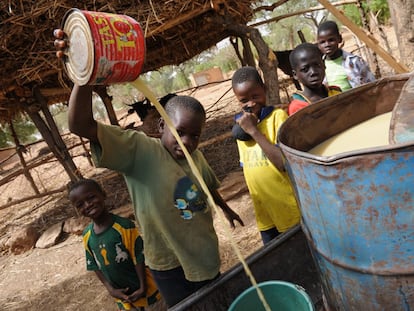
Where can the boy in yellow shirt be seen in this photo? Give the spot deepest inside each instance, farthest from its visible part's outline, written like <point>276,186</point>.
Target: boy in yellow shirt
<point>272,194</point>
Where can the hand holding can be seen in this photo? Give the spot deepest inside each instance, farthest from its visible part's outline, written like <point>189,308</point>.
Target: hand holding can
<point>59,43</point>
<point>100,48</point>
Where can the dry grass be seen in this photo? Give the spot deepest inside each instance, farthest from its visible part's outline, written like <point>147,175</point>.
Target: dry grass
<point>175,32</point>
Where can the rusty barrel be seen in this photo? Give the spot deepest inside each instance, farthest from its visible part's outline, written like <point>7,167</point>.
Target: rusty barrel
<point>103,48</point>
<point>357,207</point>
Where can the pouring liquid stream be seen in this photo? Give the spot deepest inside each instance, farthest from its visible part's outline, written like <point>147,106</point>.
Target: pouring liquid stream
<point>142,87</point>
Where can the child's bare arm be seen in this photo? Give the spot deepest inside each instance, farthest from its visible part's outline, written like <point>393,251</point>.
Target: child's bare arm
<point>81,121</point>
<point>248,122</point>
<point>142,290</point>
<point>80,115</point>
<point>272,152</point>
<point>231,215</point>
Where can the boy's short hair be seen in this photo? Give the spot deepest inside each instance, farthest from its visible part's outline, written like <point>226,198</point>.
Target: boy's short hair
<point>85,181</point>
<point>186,102</point>
<point>246,73</point>
<point>328,25</point>
<point>308,47</point>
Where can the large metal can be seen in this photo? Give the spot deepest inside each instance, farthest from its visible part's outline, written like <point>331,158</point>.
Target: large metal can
<point>103,48</point>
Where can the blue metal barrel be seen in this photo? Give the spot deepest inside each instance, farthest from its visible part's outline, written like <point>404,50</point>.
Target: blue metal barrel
<point>357,207</point>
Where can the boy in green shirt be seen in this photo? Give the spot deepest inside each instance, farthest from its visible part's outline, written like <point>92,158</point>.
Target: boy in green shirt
<point>114,250</point>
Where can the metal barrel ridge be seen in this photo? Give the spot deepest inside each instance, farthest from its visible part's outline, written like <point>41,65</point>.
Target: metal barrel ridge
<point>103,48</point>
<point>357,207</point>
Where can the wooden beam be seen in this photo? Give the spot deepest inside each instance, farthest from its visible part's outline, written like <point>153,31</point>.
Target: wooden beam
<point>36,196</point>
<point>26,171</point>
<point>101,90</point>
<point>370,42</point>
<point>270,7</point>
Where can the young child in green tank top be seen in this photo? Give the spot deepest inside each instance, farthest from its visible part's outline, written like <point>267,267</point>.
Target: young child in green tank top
<point>343,69</point>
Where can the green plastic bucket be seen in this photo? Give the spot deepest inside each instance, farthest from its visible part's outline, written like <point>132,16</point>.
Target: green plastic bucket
<point>280,296</point>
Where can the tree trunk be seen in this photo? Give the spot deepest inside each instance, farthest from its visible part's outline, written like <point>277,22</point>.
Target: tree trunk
<point>402,15</point>
<point>267,59</point>
<point>235,43</point>
<point>268,63</point>
<point>50,132</point>
<point>247,52</point>
<point>372,59</point>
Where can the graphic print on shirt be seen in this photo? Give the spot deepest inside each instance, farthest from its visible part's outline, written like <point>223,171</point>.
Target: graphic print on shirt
<point>96,260</point>
<point>187,198</point>
<point>254,157</point>
<point>103,253</point>
<point>120,254</point>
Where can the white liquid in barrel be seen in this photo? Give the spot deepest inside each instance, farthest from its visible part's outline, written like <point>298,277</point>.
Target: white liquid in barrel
<point>371,133</point>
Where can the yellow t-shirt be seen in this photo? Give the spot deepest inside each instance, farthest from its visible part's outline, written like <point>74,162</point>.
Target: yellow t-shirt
<point>271,191</point>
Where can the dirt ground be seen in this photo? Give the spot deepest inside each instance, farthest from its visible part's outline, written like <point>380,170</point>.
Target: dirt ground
<point>55,278</point>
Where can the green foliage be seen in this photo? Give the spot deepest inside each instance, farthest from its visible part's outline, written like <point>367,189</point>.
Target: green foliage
<point>25,129</point>
<point>123,94</point>
<point>169,79</point>
<point>352,12</point>
<point>282,34</point>
<point>5,137</point>
<point>379,8</point>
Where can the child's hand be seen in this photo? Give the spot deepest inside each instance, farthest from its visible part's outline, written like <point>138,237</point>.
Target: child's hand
<point>120,293</point>
<point>248,122</point>
<point>136,295</point>
<point>59,43</point>
<point>232,216</point>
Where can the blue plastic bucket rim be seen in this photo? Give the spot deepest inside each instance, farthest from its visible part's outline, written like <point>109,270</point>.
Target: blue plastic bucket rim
<point>262,284</point>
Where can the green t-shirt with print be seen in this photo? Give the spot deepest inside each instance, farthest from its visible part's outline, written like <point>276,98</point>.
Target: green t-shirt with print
<point>176,223</point>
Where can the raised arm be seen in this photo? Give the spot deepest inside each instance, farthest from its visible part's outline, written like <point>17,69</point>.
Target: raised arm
<point>81,121</point>
<point>248,122</point>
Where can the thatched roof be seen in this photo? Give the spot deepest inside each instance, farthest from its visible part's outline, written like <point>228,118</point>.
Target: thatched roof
<point>175,32</point>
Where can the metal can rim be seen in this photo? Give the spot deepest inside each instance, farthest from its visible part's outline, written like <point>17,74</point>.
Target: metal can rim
<point>80,54</point>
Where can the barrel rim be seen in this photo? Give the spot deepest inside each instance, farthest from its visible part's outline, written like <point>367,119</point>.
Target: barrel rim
<point>323,104</point>
<point>296,287</point>
<point>333,159</point>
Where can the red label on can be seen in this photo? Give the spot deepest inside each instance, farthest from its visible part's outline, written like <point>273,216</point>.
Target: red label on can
<point>119,47</point>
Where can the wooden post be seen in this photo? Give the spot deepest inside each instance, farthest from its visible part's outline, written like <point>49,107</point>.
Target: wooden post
<point>267,59</point>
<point>301,36</point>
<point>370,42</point>
<point>235,43</point>
<point>57,145</point>
<point>374,58</point>
<point>247,52</point>
<point>268,63</point>
<point>87,153</point>
<point>49,119</point>
<point>107,100</point>
<point>26,171</point>
<point>62,157</point>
